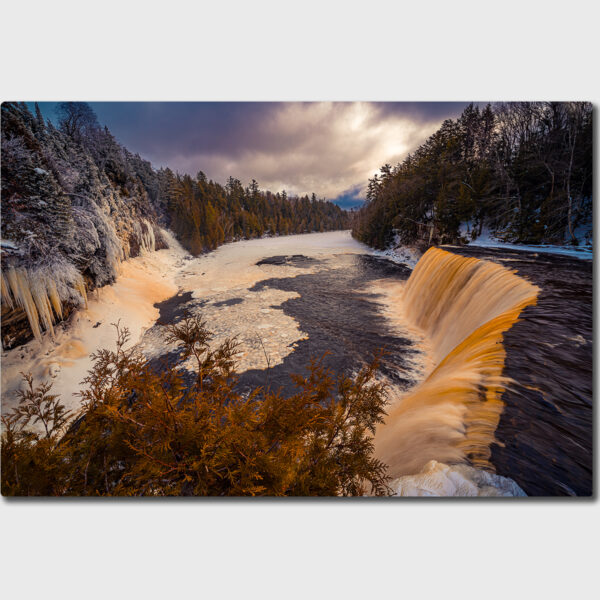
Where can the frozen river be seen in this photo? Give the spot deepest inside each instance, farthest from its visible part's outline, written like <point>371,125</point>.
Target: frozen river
<point>286,300</point>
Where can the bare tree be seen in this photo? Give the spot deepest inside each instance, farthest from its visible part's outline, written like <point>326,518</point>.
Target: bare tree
<point>77,119</point>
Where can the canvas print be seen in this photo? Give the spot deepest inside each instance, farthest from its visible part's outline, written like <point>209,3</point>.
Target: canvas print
<point>297,299</point>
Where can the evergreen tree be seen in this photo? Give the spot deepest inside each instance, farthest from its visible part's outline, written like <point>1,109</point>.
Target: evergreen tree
<point>521,169</point>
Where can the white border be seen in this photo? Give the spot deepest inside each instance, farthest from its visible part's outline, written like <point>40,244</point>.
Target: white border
<point>349,50</point>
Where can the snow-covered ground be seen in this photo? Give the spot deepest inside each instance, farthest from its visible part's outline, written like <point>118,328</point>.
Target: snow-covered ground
<point>583,234</point>
<point>156,276</point>
<point>400,254</point>
<point>403,255</point>
<point>222,280</point>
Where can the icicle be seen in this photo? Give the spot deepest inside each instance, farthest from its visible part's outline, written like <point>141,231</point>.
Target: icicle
<point>54,298</point>
<point>115,267</point>
<point>4,288</point>
<point>150,239</point>
<point>145,234</point>
<point>19,285</point>
<point>39,293</point>
<point>115,253</point>
<point>80,287</point>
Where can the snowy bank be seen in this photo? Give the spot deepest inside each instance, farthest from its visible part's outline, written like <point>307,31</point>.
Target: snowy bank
<point>65,358</point>
<point>400,254</point>
<point>585,253</point>
<point>583,234</point>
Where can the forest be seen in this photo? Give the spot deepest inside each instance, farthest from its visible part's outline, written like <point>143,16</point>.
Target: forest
<point>204,214</point>
<point>520,170</point>
<point>75,203</point>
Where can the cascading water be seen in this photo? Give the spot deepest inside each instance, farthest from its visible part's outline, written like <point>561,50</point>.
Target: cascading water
<point>463,306</point>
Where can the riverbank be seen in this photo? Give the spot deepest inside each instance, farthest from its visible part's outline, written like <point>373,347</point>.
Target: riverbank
<point>66,358</point>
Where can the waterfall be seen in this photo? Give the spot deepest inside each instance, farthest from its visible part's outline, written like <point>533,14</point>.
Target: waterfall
<point>463,306</point>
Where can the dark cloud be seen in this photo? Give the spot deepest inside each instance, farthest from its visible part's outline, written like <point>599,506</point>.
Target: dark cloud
<point>423,112</point>
<point>327,148</point>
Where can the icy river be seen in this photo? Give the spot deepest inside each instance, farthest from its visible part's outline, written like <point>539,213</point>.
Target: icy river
<point>293,298</point>
<point>285,299</point>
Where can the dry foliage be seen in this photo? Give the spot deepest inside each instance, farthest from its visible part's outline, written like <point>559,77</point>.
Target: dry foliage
<point>147,432</point>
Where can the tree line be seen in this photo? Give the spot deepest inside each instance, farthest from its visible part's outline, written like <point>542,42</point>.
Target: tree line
<point>204,214</point>
<point>48,170</point>
<point>521,170</point>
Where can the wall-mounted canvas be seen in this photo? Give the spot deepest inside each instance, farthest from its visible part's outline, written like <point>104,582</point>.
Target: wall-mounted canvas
<point>296,299</point>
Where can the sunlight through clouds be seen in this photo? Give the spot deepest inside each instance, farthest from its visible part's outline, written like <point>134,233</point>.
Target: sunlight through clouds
<point>324,148</point>
<point>329,148</point>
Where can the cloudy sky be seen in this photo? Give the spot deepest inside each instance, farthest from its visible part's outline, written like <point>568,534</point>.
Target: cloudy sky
<point>327,148</point>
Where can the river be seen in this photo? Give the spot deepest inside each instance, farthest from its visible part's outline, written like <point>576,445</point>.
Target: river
<point>290,299</point>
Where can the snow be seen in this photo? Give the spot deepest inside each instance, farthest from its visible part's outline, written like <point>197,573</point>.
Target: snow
<point>439,479</point>
<point>400,254</point>
<point>40,171</point>
<point>153,277</point>
<point>8,244</point>
<point>236,261</point>
<point>258,321</point>
<point>583,251</point>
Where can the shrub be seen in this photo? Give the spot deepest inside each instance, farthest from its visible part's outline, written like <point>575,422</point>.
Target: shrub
<point>153,432</point>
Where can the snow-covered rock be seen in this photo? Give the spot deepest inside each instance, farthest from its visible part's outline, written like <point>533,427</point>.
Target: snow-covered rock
<point>403,255</point>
